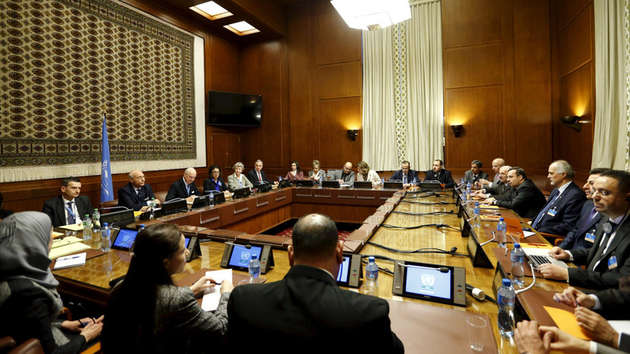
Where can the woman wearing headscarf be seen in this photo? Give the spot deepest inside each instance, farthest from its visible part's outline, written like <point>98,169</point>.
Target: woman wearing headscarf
<point>29,302</point>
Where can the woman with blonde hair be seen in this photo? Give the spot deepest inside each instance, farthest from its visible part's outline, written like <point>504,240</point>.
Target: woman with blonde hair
<point>365,174</point>
<point>316,174</point>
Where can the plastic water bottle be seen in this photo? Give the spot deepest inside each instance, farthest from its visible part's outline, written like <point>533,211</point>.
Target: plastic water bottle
<point>371,276</point>
<point>468,188</point>
<point>517,257</point>
<point>254,268</point>
<point>106,239</point>
<point>152,203</point>
<point>96,220</point>
<point>87,228</point>
<point>505,301</point>
<point>477,216</point>
<point>501,232</point>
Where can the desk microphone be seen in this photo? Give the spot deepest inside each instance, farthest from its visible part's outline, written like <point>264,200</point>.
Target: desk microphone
<point>531,267</point>
<point>487,242</point>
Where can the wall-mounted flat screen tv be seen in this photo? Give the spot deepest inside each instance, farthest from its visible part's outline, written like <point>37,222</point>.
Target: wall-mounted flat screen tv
<point>234,109</point>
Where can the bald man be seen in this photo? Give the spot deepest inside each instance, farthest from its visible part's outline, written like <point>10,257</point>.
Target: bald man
<point>185,187</point>
<point>497,163</point>
<point>135,194</point>
<point>347,175</point>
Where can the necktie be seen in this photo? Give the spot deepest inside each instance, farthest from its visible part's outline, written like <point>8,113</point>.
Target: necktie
<point>404,179</point>
<point>259,176</point>
<point>140,194</point>
<point>597,258</point>
<point>544,211</point>
<point>593,213</point>
<point>188,189</point>
<point>71,219</point>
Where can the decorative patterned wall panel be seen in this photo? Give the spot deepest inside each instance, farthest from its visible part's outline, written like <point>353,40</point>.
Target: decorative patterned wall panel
<point>64,63</point>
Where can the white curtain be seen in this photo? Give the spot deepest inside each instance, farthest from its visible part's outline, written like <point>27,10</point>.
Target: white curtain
<point>612,71</point>
<point>403,91</point>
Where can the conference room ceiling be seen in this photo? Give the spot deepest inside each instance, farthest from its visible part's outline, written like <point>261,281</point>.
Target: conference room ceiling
<point>268,16</point>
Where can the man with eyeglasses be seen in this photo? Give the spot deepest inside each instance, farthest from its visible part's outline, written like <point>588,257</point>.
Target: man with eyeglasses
<point>609,258</point>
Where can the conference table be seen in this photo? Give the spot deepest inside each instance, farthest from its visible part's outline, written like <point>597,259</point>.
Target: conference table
<point>415,321</point>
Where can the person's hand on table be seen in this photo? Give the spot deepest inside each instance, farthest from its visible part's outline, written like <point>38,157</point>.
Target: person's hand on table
<point>596,327</point>
<point>489,201</point>
<point>191,199</point>
<point>92,331</point>
<point>563,341</point>
<point>574,297</point>
<point>226,286</point>
<point>552,271</point>
<point>558,253</point>
<point>144,209</point>
<point>202,285</point>
<point>529,340</point>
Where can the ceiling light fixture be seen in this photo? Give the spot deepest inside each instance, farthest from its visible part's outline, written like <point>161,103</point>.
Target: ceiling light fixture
<point>242,28</point>
<point>211,10</point>
<point>372,14</point>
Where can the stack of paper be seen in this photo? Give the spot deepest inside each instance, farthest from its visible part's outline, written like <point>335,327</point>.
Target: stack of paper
<point>70,261</point>
<point>75,247</point>
<point>211,299</point>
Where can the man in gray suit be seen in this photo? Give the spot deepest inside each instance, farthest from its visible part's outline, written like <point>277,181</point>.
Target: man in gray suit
<point>347,175</point>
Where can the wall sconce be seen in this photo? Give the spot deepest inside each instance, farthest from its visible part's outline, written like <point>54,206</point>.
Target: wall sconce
<point>457,129</point>
<point>352,134</point>
<point>574,122</point>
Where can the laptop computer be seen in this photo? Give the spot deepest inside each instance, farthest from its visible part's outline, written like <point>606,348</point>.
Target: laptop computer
<point>363,184</point>
<point>540,256</point>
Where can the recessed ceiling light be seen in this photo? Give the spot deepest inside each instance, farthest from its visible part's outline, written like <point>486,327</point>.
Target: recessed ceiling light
<point>242,28</point>
<point>211,10</point>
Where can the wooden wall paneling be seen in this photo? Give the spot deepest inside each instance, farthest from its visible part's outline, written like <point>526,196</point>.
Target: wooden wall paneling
<point>474,66</point>
<point>337,116</point>
<point>466,22</point>
<point>262,222</point>
<point>573,80</point>
<point>334,41</point>
<point>482,109</point>
<point>532,84</point>
<point>267,142</point>
<point>339,80</point>
<point>303,134</point>
<point>574,52</point>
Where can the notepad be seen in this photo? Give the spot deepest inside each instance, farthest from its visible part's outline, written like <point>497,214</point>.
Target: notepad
<point>65,241</point>
<point>68,249</point>
<point>211,299</point>
<point>74,260</point>
<point>566,321</point>
<point>526,233</point>
<point>72,227</point>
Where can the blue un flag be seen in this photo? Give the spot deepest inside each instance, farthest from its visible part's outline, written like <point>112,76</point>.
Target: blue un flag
<point>107,188</point>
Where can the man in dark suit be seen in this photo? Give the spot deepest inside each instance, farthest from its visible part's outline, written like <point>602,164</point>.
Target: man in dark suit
<point>496,188</point>
<point>69,207</point>
<point>583,234</point>
<point>257,175</point>
<point>475,174</point>
<point>135,194</point>
<point>609,258</point>
<point>526,199</point>
<point>439,173</point>
<point>307,312</point>
<point>184,188</point>
<point>562,210</point>
<point>405,175</point>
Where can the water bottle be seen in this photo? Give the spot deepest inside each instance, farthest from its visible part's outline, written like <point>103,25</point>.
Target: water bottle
<point>517,257</point>
<point>371,276</point>
<point>505,301</point>
<point>96,220</point>
<point>254,268</point>
<point>476,217</point>
<point>152,205</point>
<point>106,239</point>
<point>501,232</point>
<point>468,188</point>
<point>87,228</point>
<point>141,227</point>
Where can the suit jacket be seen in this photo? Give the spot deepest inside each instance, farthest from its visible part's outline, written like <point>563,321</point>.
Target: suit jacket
<point>55,209</point>
<point>498,188</point>
<point>299,175</point>
<point>615,302</point>
<point>307,312</point>
<point>526,200</point>
<point>347,179</point>
<point>411,175</point>
<point>576,237</point>
<point>602,277</point>
<point>178,190</point>
<point>567,207</point>
<point>444,176</point>
<point>253,177</point>
<point>234,184</point>
<point>470,178</point>
<point>127,196</point>
<point>210,185</point>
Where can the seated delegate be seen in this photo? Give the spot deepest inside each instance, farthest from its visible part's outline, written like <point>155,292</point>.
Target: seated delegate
<point>237,180</point>
<point>185,187</point>
<point>295,173</point>
<point>365,174</point>
<point>215,183</point>
<point>70,207</point>
<point>525,199</point>
<point>439,173</point>
<point>147,313</point>
<point>317,175</point>
<point>135,194</point>
<point>29,301</point>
